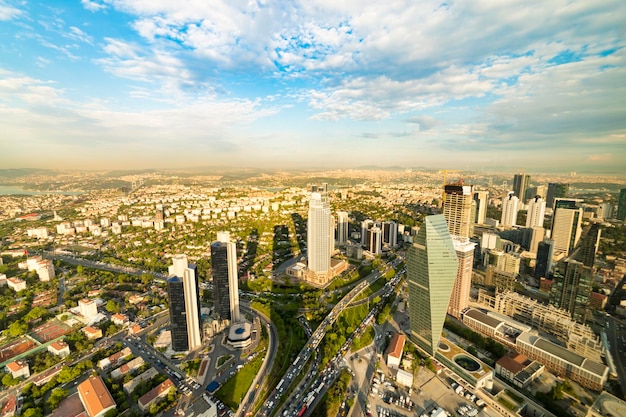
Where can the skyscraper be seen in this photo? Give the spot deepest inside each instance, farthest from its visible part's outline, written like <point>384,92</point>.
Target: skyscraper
<point>225,279</point>
<point>509,210</point>
<point>536,212</point>
<point>556,190</point>
<point>431,270</point>
<point>521,182</point>
<point>390,233</point>
<point>566,225</point>
<point>460,296</point>
<point>571,288</point>
<point>589,243</point>
<point>374,240</point>
<point>457,209</point>
<point>342,228</point>
<point>480,198</point>
<point>184,298</point>
<point>621,205</point>
<point>545,250</point>
<point>320,238</point>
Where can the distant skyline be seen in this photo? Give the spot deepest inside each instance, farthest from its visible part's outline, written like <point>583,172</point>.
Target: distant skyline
<point>473,85</point>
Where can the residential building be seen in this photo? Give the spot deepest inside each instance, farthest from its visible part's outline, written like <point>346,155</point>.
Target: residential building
<point>115,358</point>
<point>457,209</point>
<point>566,225</point>
<point>342,228</point>
<point>130,386</point>
<point>155,395</point>
<point>390,234</point>
<point>119,319</point>
<point>536,212</point>
<point>225,279</point>
<point>509,210</point>
<point>92,333</point>
<point>127,367</point>
<point>518,369</point>
<point>571,288</point>
<point>95,396</point>
<point>16,284</point>
<point>61,349</point>
<point>521,182</point>
<point>481,201</point>
<point>18,369</point>
<point>431,270</point>
<point>184,298</point>
<point>607,211</point>
<point>374,241</point>
<point>88,308</point>
<point>459,299</point>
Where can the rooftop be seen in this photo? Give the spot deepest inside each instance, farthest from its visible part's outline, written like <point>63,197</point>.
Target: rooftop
<point>95,396</point>
<point>396,345</point>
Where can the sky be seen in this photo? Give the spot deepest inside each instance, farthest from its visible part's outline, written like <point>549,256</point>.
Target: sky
<point>479,85</point>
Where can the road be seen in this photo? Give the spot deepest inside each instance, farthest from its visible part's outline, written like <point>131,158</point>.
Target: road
<point>616,335</point>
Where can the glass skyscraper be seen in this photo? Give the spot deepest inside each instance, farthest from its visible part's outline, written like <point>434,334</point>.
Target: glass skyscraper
<point>431,270</point>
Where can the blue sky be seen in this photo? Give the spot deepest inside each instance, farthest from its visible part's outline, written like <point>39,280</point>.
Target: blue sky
<point>483,85</point>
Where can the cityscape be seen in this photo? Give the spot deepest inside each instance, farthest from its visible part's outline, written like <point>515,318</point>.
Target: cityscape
<point>214,208</point>
<point>345,293</point>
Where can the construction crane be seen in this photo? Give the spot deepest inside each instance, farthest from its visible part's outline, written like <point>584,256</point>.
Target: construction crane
<point>443,192</point>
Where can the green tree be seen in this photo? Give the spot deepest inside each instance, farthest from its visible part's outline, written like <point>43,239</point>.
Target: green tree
<point>33,412</point>
<point>9,381</point>
<point>57,395</point>
<point>17,328</point>
<point>112,306</point>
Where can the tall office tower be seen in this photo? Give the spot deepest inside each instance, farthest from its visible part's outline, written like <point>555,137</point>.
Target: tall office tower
<point>556,190</point>
<point>545,250</point>
<point>320,238</point>
<point>225,279</point>
<point>184,297</point>
<point>457,209</point>
<point>342,228</point>
<point>621,205</point>
<point>481,199</point>
<point>390,233</point>
<point>431,270</point>
<point>537,236</point>
<point>521,182</point>
<point>589,243</point>
<point>374,240</point>
<point>509,209</point>
<point>571,288</point>
<point>566,225</point>
<point>539,190</point>
<point>608,211</point>
<point>365,226</point>
<point>536,212</point>
<point>459,299</point>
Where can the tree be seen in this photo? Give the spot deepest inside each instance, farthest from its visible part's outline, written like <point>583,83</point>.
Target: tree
<point>17,328</point>
<point>112,306</point>
<point>9,381</point>
<point>33,412</point>
<point>56,396</point>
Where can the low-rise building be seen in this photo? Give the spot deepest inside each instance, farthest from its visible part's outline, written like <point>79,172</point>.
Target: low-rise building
<point>518,369</point>
<point>563,362</point>
<point>130,386</point>
<point>394,351</point>
<point>115,358</point>
<point>119,319</point>
<point>61,349</point>
<point>88,308</point>
<point>18,369</point>
<point>16,284</point>
<point>128,367</point>
<point>155,395</point>
<point>92,333</point>
<point>95,396</point>
<point>404,378</point>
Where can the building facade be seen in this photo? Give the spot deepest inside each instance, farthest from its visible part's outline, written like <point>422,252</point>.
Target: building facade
<point>184,296</point>
<point>459,299</point>
<point>510,207</point>
<point>342,228</point>
<point>536,212</point>
<point>521,182</point>
<point>566,225</point>
<point>431,270</point>
<point>320,238</point>
<point>457,209</point>
<point>571,288</point>
<point>225,279</point>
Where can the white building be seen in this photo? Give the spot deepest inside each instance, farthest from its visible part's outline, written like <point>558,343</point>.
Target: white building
<point>16,284</point>
<point>61,349</point>
<point>509,210</point>
<point>320,238</point>
<point>88,308</point>
<point>187,273</point>
<point>566,225</point>
<point>536,212</point>
<point>39,233</point>
<point>18,368</point>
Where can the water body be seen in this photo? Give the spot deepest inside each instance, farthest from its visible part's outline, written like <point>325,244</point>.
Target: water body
<point>17,190</point>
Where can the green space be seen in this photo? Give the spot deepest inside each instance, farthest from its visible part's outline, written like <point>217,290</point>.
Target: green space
<point>233,391</point>
<point>223,359</point>
<point>366,338</point>
<point>347,322</point>
<point>497,350</point>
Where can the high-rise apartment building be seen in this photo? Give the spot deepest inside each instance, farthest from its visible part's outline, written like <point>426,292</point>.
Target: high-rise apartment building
<point>536,212</point>
<point>225,279</point>
<point>571,288</point>
<point>545,251</point>
<point>566,225</point>
<point>342,228</point>
<point>320,238</point>
<point>459,299</point>
<point>621,205</point>
<point>556,190</point>
<point>510,206</point>
<point>521,182</point>
<point>457,209</point>
<point>481,198</point>
<point>184,298</point>
<point>390,233</point>
<point>589,243</point>
<point>365,226</point>
<point>374,242</point>
<point>431,270</point>
<point>608,211</point>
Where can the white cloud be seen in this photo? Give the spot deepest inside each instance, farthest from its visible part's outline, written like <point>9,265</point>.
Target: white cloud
<point>93,6</point>
<point>9,12</point>
<point>77,34</point>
